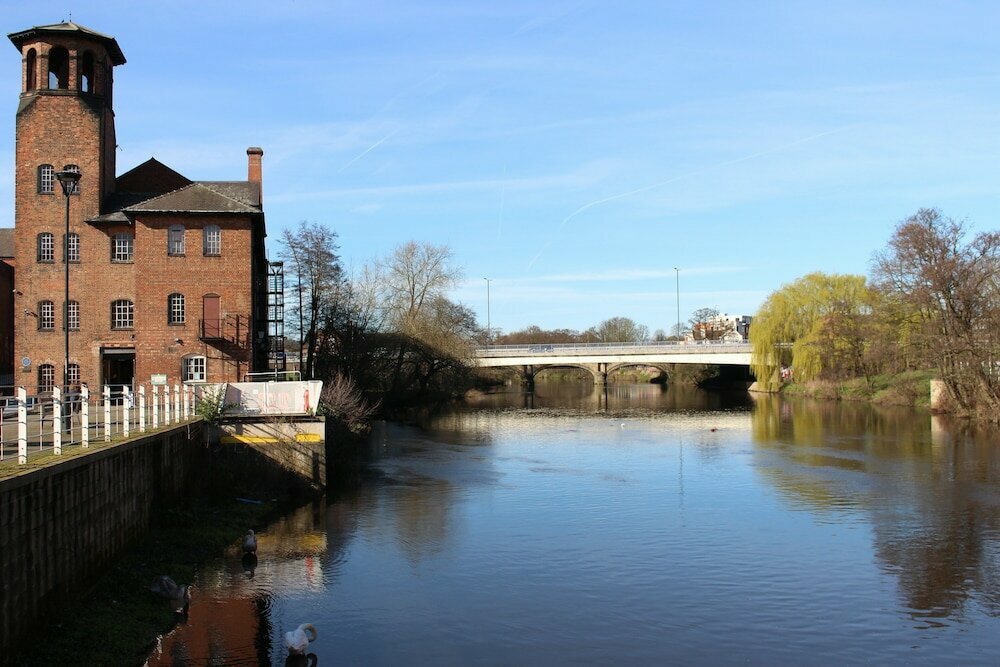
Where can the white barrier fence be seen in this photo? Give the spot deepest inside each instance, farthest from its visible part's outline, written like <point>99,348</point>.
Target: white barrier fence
<point>56,419</point>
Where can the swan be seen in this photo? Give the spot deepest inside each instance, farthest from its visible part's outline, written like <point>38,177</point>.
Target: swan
<point>179,596</point>
<point>297,640</point>
<point>250,543</point>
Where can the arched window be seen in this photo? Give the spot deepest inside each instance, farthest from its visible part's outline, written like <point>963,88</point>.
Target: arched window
<point>46,377</point>
<point>46,247</point>
<point>121,248</point>
<point>194,369</point>
<point>212,241</point>
<point>175,309</point>
<point>59,69</point>
<point>46,316</point>
<point>46,179</point>
<point>73,376</point>
<point>76,186</point>
<point>86,66</point>
<point>175,240</point>
<point>31,74</point>
<point>122,314</point>
<point>73,247</point>
<point>73,315</point>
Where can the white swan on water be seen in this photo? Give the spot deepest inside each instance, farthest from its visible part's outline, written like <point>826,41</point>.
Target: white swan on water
<point>297,640</point>
<point>250,543</point>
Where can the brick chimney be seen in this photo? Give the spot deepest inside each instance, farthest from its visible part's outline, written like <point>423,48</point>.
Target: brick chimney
<point>254,156</point>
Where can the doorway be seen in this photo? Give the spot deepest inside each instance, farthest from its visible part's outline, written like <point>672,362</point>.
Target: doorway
<point>211,312</point>
<point>118,368</point>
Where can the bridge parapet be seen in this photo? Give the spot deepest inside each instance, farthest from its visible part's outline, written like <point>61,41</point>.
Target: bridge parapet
<point>633,348</point>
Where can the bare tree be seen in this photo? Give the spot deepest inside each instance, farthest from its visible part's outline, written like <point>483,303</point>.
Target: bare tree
<point>952,285</point>
<point>707,325</point>
<point>310,255</point>
<point>620,330</point>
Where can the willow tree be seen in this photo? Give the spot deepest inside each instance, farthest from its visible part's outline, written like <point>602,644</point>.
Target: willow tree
<point>816,324</point>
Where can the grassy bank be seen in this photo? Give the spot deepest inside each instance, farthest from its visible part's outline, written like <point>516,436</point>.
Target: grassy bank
<point>907,389</point>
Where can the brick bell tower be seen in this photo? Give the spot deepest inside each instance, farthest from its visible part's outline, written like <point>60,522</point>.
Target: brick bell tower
<point>65,121</point>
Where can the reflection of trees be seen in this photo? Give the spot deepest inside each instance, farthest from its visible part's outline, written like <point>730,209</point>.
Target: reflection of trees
<point>930,519</point>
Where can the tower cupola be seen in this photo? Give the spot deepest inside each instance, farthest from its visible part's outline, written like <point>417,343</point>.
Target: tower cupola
<point>67,58</point>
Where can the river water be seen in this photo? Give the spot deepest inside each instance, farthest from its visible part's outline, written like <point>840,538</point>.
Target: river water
<point>630,527</point>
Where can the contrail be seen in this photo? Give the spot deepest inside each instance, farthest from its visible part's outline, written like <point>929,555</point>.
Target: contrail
<point>673,179</point>
<point>368,150</point>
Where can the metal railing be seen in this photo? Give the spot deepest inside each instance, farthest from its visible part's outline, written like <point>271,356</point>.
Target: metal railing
<point>55,419</point>
<point>637,347</point>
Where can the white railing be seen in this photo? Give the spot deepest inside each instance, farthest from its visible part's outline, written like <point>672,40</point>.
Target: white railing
<point>52,420</point>
<point>637,347</point>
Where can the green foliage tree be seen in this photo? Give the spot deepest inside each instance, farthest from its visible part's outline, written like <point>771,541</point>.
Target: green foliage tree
<point>819,322</point>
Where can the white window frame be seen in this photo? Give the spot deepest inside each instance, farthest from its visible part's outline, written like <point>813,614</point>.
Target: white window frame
<point>195,369</point>
<point>73,315</point>
<point>175,240</point>
<point>46,377</point>
<point>73,247</point>
<point>212,241</point>
<point>46,179</point>
<point>73,374</point>
<point>122,314</point>
<point>46,316</point>
<point>46,247</point>
<point>122,248</point>
<point>175,308</point>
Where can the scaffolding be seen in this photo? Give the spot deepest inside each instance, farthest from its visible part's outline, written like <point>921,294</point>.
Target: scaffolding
<point>276,316</point>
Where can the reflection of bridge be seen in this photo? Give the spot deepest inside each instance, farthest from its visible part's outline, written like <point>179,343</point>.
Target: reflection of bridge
<point>599,359</point>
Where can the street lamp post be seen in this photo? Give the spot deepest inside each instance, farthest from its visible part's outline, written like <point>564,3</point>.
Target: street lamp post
<point>68,180</point>
<point>489,328</point>
<point>678,274</point>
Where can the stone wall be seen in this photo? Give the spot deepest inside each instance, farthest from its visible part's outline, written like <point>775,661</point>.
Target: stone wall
<point>296,444</point>
<point>61,525</point>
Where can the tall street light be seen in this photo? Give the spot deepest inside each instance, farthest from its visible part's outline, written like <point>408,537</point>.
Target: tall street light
<point>678,274</point>
<point>489,328</point>
<point>69,181</point>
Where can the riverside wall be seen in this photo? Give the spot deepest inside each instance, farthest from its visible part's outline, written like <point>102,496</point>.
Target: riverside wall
<point>62,524</point>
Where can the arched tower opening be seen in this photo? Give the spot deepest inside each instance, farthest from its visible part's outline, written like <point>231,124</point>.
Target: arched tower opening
<point>30,70</point>
<point>86,72</point>
<point>58,68</point>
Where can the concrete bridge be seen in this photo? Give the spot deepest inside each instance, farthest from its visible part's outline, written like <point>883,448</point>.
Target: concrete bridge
<point>599,359</point>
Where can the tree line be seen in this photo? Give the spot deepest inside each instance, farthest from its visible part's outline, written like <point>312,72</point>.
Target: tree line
<point>385,335</point>
<point>704,324</point>
<point>932,301</point>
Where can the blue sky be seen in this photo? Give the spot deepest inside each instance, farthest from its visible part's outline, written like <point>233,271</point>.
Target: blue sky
<point>572,152</point>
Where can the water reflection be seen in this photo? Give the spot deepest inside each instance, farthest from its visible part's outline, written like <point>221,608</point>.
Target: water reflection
<point>928,490</point>
<point>635,525</point>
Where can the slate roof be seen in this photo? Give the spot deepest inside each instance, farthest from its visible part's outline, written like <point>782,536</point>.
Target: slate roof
<point>152,177</point>
<point>67,28</point>
<point>204,197</point>
<point>7,242</point>
<point>153,187</point>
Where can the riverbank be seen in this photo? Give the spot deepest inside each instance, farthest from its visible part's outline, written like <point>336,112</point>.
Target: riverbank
<point>910,389</point>
<point>117,620</point>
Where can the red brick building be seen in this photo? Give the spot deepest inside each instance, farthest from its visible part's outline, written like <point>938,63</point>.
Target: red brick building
<point>6,310</point>
<point>167,275</point>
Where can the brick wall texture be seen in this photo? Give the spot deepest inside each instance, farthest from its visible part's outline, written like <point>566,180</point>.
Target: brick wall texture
<point>72,127</point>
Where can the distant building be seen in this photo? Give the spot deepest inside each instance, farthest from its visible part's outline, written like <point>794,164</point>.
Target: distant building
<point>167,275</point>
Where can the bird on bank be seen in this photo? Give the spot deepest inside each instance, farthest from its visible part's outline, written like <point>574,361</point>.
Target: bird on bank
<point>250,543</point>
<point>179,596</point>
<point>297,640</point>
